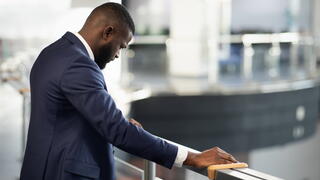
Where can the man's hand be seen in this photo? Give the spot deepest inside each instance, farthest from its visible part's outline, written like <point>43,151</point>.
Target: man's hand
<point>209,157</point>
<point>134,122</point>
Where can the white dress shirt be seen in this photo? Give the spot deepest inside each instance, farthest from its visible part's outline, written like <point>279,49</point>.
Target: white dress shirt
<point>182,153</point>
<point>84,42</point>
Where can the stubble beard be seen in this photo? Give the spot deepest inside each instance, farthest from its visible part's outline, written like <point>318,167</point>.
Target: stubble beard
<point>104,56</point>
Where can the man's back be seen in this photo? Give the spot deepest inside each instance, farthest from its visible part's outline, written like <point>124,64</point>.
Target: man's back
<point>73,120</point>
<point>59,136</point>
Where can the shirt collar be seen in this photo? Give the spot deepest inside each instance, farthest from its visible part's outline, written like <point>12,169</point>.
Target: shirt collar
<point>86,45</point>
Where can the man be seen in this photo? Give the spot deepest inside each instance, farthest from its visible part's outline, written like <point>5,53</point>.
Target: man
<point>74,120</point>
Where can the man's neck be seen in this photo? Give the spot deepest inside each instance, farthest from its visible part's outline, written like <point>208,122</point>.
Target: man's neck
<point>90,49</point>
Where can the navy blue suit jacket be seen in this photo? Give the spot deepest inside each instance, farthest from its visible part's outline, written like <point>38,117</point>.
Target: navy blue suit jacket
<point>74,120</point>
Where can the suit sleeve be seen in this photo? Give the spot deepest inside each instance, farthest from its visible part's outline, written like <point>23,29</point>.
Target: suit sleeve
<point>83,85</point>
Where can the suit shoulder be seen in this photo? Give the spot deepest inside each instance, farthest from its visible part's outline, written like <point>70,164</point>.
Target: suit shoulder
<point>82,70</point>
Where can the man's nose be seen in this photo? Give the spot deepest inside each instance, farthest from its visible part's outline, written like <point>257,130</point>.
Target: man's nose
<point>117,54</point>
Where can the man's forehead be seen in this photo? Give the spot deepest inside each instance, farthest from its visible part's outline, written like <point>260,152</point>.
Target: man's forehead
<point>128,36</point>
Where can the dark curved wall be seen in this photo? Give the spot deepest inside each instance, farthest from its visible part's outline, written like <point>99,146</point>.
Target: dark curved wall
<point>237,123</point>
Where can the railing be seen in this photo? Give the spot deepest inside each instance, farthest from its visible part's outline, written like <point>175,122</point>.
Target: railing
<point>149,172</point>
<point>275,39</point>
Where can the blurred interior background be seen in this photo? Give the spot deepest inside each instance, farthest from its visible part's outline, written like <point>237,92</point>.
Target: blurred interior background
<point>239,74</point>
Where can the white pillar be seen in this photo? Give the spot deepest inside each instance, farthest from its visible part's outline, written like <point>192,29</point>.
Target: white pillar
<point>189,37</point>
<point>214,23</point>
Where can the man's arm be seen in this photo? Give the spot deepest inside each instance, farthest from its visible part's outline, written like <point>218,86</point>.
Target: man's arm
<point>83,85</point>
<point>200,160</point>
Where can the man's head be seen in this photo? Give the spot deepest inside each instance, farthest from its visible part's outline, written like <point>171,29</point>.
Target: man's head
<point>108,29</point>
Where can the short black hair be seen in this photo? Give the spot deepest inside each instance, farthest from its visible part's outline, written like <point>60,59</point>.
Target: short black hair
<point>119,11</point>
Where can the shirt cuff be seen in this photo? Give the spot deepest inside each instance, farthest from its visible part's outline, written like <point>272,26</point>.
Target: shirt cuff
<point>181,157</point>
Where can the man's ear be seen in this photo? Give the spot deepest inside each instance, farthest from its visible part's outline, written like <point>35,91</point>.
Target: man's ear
<point>108,31</point>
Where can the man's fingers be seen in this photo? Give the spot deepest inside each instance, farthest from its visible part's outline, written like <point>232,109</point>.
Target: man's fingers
<point>226,161</point>
<point>134,122</point>
<point>227,156</point>
<point>231,158</point>
<point>212,156</point>
<point>223,161</point>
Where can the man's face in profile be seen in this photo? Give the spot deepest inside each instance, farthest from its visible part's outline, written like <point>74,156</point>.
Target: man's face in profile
<point>111,48</point>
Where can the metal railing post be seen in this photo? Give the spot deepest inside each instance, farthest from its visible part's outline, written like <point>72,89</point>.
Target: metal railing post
<point>247,61</point>
<point>149,170</point>
<point>25,92</point>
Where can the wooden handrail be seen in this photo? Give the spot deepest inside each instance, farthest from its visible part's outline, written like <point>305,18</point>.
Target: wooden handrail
<point>231,171</point>
<point>212,169</point>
